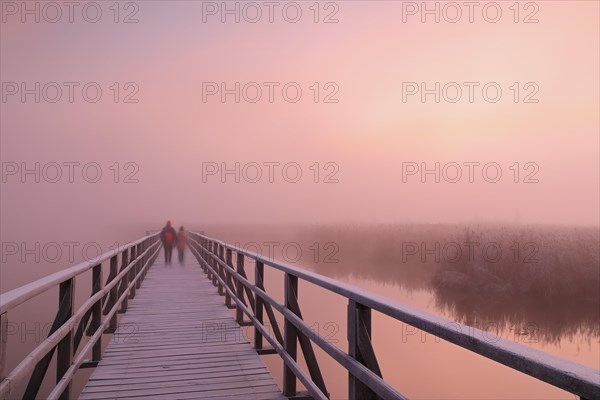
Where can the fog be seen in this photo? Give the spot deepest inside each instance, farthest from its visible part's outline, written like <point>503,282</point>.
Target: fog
<point>355,126</point>
<point>171,146</point>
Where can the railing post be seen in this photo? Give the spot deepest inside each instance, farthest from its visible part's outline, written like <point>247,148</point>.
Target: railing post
<point>3,342</point>
<point>203,254</point>
<point>228,261</point>
<point>259,276</point>
<point>360,348</point>
<point>214,265</point>
<point>207,250</point>
<point>143,262</point>
<point>64,356</point>
<point>96,312</point>
<point>139,265</point>
<point>207,258</point>
<point>222,290</point>
<point>131,274</point>
<point>123,283</point>
<point>290,336</point>
<point>112,296</point>
<point>146,260</point>
<point>239,313</point>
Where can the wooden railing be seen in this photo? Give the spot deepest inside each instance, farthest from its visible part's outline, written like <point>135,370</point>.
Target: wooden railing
<point>96,316</point>
<point>365,379</point>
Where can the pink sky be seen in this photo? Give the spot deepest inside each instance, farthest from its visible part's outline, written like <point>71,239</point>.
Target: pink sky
<point>368,134</point>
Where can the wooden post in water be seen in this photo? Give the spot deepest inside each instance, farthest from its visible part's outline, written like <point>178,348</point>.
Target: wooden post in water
<point>64,356</point>
<point>290,336</point>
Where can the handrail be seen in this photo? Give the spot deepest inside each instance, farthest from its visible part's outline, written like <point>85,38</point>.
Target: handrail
<point>215,257</point>
<point>13,298</point>
<point>567,375</point>
<point>383,389</point>
<point>69,325</point>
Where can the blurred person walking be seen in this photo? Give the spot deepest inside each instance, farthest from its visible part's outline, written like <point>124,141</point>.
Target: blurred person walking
<point>168,236</point>
<point>182,243</point>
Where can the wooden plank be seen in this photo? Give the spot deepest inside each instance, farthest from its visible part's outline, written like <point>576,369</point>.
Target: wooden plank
<point>177,389</point>
<point>174,365</point>
<point>214,371</point>
<point>262,394</point>
<point>194,347</point>
<point>239,393</point>
<point>179,340</point>
<point>171,381</point>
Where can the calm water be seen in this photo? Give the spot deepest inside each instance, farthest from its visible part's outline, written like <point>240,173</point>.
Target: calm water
<point>416,364</point>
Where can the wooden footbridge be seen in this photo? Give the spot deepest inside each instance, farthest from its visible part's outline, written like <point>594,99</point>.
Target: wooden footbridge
<point>188,345</point>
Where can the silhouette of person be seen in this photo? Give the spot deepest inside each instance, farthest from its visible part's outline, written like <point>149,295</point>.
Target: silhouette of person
<point>182,242</point>
<point>168,236</point>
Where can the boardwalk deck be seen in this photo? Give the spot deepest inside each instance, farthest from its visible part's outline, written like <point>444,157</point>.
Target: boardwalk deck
<point>179,341</point>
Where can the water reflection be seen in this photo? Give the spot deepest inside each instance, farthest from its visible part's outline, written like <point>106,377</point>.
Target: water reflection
<point>525,322</point>
<point>552,298</point>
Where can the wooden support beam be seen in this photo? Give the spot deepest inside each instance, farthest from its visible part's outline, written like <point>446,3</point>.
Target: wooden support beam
<point>96,312</point>
<point>301,396</point>
<point>132,271</point>
<point>40,369</point>
<point>221,251</point>
<point>259,276</point>
<point>113,296</point>
<point>214,265</point>
<point>64,356</point>
<point>239,313</point>
<point>123,283</point>
<point>3,342</point>
<point>366,347</point>
<point>249,293</point>
<point>81,328</point>
<point>360,348</point>
<point>265,351</point>
<point>290,335</point>
<point>229,261</point>
<point>89,364</point>
<point>138,266</point>
<point>274,324</point>
<point>307,350</point>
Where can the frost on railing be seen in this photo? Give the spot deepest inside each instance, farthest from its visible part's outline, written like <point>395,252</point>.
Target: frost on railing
<point>365,377</point>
